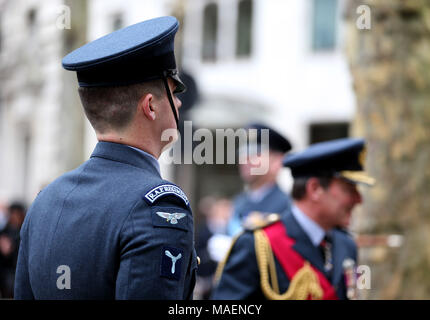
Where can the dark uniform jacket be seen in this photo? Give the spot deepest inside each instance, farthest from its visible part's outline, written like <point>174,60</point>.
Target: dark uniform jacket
<point>241,277</point>
<point>112,228</point>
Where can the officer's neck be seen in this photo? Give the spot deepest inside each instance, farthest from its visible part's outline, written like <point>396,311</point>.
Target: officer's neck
<point>313,212</point>
<point>260,182</point>
<point>143,143</point>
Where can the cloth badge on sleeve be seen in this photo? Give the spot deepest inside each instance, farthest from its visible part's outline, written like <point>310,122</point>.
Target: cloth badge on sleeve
<point>169,217</point>
<point>171,262</point>
<point>164,190</point>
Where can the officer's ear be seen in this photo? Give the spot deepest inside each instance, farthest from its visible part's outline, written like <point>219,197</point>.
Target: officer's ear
<point>146,105</point>
<point>314,190</point>
<point>276,160</point>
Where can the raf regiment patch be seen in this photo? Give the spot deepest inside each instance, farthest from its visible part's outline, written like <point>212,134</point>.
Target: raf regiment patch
<point>165,190</point>
<point>169,217</point>
<point>171,262</point>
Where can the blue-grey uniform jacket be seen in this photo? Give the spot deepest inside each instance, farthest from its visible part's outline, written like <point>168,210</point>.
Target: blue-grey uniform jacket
<point>275,200</point>
<point>241,277</point>
<point>110,229</point>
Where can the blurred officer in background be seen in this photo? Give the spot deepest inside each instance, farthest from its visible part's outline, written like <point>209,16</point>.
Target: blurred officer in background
<point>262,192</point>
<point>216,213</point>
<point>9,246</point>
<point>3,215</point>
<point>301,254</point>
<point>113,228</point>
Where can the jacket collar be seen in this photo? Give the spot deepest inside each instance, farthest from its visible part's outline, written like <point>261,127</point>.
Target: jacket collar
<point>125,154</point>
<point>308,251</point>
<point>339,253</point>
<point>303,244</point>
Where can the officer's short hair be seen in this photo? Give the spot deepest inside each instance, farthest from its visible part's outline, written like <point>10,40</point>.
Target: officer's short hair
<point>114,107</point>
<point>299,186</point>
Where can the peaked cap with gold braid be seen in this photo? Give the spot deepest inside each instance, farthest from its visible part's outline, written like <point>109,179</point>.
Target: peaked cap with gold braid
<point>341,157</point>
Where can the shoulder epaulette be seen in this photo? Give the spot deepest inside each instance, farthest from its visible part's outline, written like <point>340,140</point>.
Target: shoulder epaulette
<point>258,220</point>
<point>255,220</point>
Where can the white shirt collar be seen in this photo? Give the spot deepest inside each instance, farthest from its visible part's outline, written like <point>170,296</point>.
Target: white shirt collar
<point>311,228</point>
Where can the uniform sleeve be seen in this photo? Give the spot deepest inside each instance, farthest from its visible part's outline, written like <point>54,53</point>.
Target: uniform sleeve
<point>240,277</point>
<point>22,290</point>
<point>157,256</point>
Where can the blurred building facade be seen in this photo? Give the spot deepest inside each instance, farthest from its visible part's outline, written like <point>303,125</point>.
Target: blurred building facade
<point>40,126</point>
<point>275,61</point>
<point>281,62</point>
<point>43,131</point>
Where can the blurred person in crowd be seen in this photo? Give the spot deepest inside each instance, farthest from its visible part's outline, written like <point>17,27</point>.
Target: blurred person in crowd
<point>301,254</point>
<point>3,215</point>
<point>9,246</point>
<point>113,228</point>
<point>262,192</point>
<point>212,241</point>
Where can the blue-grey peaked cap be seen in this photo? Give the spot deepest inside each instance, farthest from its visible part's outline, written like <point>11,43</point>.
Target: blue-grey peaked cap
<point>341,157</point>
<point>134,54</point>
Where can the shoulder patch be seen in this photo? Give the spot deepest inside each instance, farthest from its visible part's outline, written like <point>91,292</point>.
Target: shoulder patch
<point>163,190</point>
<point>258,220</point>
<point>171,262</point>
<point>170,217</point>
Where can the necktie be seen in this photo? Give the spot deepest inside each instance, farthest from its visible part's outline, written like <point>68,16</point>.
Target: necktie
<point>325,247</point>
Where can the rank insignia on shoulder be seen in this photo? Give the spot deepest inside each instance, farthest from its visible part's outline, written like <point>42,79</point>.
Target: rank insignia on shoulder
<point>257,220</point>
<point>163,190</point>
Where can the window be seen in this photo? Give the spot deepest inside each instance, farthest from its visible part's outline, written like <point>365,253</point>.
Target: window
<point>327,131</point>
<point>244,29</point>
<point>210,27</point>
<point>324,24</point>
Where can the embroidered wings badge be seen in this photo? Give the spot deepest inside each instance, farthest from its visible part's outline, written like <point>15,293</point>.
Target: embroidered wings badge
<point>171,217</point>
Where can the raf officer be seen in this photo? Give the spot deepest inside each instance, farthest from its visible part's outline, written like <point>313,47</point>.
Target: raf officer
<point>262,192</point>
<point>113,228</point>
<point>302,254</point>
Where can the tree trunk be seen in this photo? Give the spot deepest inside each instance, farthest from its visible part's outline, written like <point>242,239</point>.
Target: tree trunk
<point>390,64</point>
